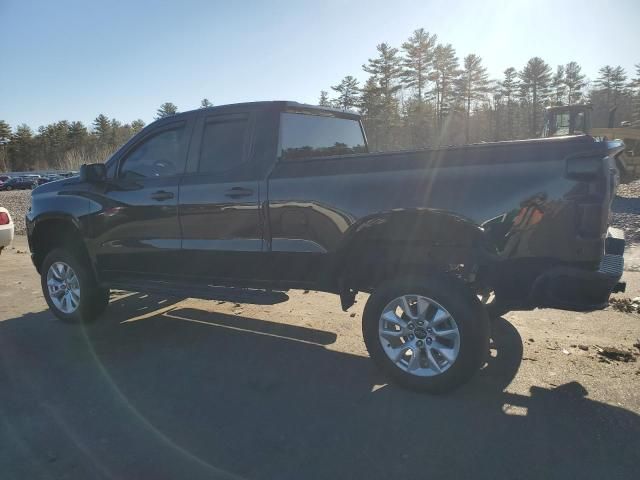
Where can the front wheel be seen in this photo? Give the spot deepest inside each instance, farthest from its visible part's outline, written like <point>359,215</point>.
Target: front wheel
<point>70,288</point>
<point>428,334</point>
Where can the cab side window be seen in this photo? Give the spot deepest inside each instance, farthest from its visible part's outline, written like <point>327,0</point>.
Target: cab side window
<point>223,143</point>
<point>306,136</point>
<point>160,155</point>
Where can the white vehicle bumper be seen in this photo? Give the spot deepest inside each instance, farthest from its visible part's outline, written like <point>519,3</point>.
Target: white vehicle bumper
<point>6,235</point>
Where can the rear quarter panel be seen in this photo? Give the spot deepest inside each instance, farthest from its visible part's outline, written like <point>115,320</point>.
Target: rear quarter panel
<point>512,197</point>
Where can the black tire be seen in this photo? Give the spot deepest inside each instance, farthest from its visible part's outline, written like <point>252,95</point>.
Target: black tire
<point>495,310</point>
<point>93,298</point>
<point>470,317</point>
<point>8,189</point>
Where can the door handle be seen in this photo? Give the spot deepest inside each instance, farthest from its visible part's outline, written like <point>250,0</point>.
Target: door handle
<point>161,195</point>
<point>238,192</point>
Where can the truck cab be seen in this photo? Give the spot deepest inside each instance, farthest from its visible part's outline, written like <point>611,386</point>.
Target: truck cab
<point>567,120</point>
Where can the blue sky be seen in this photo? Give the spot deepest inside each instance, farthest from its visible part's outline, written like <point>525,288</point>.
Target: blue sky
<point>67,59</point>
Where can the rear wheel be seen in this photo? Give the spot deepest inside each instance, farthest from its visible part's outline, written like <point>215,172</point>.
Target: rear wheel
<point>429,335</point>
<point>493,306</point>
<point>70,288</point>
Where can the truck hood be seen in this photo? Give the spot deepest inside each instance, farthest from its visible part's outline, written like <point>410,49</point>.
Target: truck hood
<point>55,185</point>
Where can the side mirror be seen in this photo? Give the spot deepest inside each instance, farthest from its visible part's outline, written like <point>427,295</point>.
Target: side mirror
<point>93,173</point>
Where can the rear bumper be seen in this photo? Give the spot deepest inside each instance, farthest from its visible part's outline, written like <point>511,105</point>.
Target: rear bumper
<point>6,235</point>
<point>571,288</point>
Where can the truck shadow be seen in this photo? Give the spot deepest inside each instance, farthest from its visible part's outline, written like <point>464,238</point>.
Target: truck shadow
<point>184,393</point>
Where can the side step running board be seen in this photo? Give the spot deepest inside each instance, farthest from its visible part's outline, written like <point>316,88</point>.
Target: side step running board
<point>205,292</point>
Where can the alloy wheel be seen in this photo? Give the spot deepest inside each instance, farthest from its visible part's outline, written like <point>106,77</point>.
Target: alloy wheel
<point>419,335</point>
<point>64,287</point>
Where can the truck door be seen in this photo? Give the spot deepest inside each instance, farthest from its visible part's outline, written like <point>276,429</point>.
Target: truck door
<point>219,200</point>
<point>137,230</point>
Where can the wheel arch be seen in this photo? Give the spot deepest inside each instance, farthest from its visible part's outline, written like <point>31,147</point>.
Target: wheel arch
<point>404,242</point>
<point>52,231</point>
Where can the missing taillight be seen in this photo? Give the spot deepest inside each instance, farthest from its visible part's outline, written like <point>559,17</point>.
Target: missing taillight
<point>582,168</point>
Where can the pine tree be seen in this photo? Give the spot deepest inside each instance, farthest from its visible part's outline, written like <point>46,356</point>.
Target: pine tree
<point>417,62</point>
<point>603,82</point>
<point>205,103</point>
<point>386,71</point>
<point>495,105</point>
<point>137,125</point>
<point>574,81</point>
<point>611,82</point>
<point>166,110</point>
<point>5,137</point>
<point>534,85</point>
<point>348,93</point>
<point>371,100</point>
<point>610,85</point>
<point>635,83</point>
<point>21,148</point>
<point>635,88</point>
<point>5,132</point>
<point>558,85</point>
<point>618,83</point>
<point>371,107</point>
<point>51,143</point>
<point>508,90</point>
<point>473,85</point>
<point>119,133</point>
<point>324,101</point>
<point>445,74</point>
<point>102,128</point>
<point>77,133</point>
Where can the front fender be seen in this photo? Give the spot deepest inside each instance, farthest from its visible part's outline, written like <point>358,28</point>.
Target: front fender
<point>54,210</point>
<point>57,205</point>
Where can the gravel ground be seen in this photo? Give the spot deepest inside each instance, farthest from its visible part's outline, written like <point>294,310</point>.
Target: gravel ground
<point>17,202</point>
<point>625,209</point>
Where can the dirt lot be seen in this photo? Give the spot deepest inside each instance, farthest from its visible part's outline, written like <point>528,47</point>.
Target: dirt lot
<point>171,388</point>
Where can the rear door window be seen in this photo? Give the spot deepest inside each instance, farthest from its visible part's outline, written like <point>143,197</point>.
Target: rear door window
<point>223,143</point>
<point>306,136</point>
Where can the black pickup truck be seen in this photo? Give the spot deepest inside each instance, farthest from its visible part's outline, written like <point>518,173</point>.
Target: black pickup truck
<point>280,195</point>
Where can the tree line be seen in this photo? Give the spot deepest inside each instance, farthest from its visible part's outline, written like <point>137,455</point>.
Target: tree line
<point>66,145</point>
<point>421,94</point>
<point>415,96</point>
